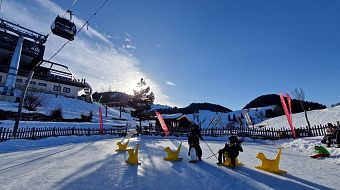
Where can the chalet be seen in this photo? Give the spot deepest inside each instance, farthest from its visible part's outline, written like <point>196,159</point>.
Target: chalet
<point>176,121</point>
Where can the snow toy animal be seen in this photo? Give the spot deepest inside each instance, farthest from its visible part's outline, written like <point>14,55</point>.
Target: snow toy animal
<point>227,161</point>
<point>122,146</point>
<point>133,156</point>
<point>173,155</point>
<point>193,156</point>
<point>320,152</point>
<point>269,165</point>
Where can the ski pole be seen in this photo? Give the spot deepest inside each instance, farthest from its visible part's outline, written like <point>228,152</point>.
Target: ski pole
<point>211,156</point>
<point>210,149</point>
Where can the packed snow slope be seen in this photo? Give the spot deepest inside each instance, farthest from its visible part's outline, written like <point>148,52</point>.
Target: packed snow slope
<point>92,163</point>
<point>316,117</point>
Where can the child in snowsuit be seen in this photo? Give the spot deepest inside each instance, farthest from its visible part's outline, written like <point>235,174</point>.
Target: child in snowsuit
<point>233,149</point>
<point>320,152</point>
<point>194,140</point>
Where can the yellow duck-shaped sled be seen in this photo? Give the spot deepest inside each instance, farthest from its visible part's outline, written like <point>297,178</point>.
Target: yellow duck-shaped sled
<point>269,165</point>
<point>133,156</point>
<point>122,146</point>
<point>173,155</point>
<point>227,161</point>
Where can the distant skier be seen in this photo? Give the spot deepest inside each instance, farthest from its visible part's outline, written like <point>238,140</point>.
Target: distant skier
<point>194,137</point>
<point>233,148</point>
<point>338,138</point>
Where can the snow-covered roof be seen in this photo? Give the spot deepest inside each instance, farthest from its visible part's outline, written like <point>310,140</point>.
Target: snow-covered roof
<point>172,116</point>
<point>176,116</point>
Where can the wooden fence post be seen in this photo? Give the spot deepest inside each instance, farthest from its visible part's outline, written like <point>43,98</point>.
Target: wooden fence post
<point>32,133</point>
<point>1,128</point>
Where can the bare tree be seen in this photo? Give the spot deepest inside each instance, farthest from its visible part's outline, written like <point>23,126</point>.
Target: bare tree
<point>239,121</point>
<point>196,118</point>
<point>34,99</point>
<point>299,94</point>
<point>260,115</point>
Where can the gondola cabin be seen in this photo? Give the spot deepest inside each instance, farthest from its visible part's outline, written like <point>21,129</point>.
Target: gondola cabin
<point>64,28</point>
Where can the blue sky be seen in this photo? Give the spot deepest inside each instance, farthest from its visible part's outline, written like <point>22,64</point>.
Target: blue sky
<point>223,52</point>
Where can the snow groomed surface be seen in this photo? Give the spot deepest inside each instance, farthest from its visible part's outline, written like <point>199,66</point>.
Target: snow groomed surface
<point>93,163</point>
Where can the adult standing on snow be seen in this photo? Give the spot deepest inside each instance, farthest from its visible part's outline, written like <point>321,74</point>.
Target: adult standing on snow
<point>330,134</point>
<point>194,137</point>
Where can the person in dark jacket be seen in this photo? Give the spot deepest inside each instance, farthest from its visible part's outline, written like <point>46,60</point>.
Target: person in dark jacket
<point>330,135</point>
<point>194,137</point>
<point>221,153</point>
<point>233,148</point>
<point>338,139</point>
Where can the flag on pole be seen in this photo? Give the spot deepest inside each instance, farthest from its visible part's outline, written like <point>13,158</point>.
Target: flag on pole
<point>161,121</point>
<point>288,113</point>
<point>289,103</point>
<point>100,120</point>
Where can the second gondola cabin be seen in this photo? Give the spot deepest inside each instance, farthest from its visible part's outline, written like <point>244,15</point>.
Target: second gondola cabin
<point>64,28</point>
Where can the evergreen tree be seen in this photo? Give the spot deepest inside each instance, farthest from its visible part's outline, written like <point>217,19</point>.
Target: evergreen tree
<point>229,119</point>
<point>234,118</point>
<point>142,101</point>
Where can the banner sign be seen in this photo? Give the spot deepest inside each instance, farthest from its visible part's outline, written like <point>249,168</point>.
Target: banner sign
<point>288,112</point>
<point>161,121</point>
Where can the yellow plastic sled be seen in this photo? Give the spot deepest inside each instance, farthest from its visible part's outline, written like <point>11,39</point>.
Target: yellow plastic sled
<point>121,146</point>
<point>133,156</point>
<point>173,155</point>
<point>227,161</point>
<point>269,165</point>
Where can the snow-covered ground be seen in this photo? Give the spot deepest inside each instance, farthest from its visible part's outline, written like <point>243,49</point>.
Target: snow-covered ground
<point>209,119</point>
<point>316,117</point>
<point>92,163</point>
<point>71,108</point>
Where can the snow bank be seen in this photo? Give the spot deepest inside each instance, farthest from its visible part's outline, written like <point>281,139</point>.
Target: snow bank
<point>306,145</point>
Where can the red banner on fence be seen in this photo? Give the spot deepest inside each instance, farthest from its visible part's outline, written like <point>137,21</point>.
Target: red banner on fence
<point>161,121</point>
<point>101,120</point>
<point>288,114</point>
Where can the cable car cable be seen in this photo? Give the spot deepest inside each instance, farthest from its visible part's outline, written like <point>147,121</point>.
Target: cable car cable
<point>68,10</point>
<point>87,21</point>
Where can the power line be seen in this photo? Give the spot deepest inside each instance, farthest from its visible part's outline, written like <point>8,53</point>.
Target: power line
<point>87,21</point>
